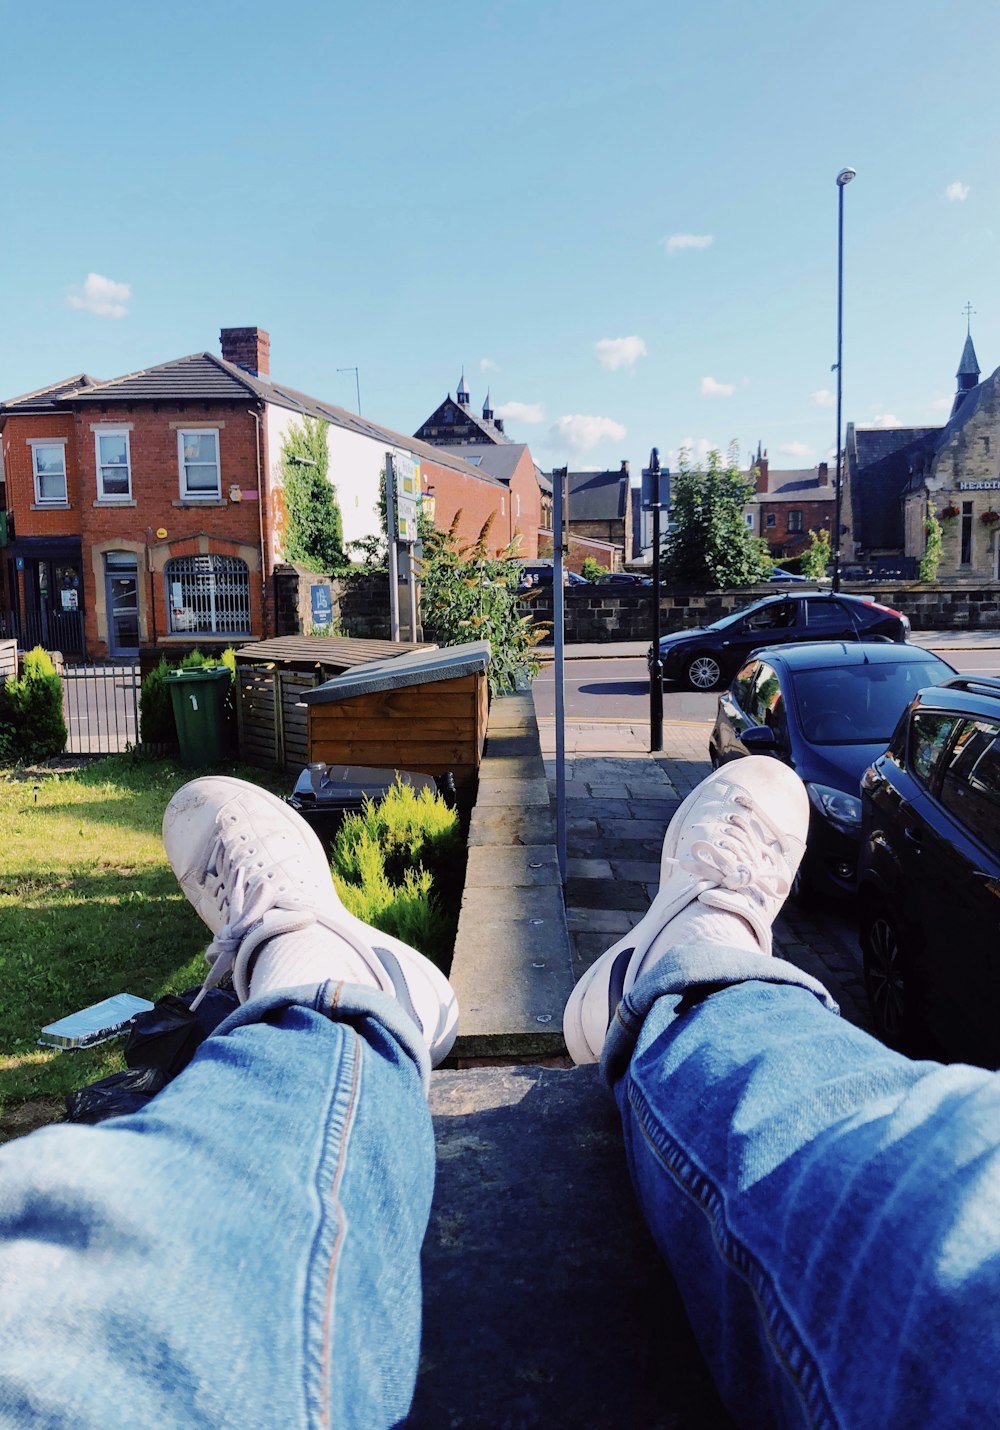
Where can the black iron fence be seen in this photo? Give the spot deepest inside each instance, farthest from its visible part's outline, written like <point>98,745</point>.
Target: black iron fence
<point>101,707</point>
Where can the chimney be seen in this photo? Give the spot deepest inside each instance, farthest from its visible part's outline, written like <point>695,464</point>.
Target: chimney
<point>624,469</point>
<point>761,468</point>
<point>498,423</point>
<point>248,348</point>
<point>824,474</point>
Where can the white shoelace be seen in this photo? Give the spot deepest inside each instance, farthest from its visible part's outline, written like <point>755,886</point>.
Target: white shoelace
<point>749,856</point>
<point>251,896</point>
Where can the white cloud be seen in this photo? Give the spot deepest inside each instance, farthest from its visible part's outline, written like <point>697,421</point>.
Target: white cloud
<point>942,404</point>
<point>885,419</point>
<point>531,412</point>
<point>711,388</point>
<point>102,296</point>
<point>581,433</point>
<point>678,242</point>
<point>613,353</point>
<point>957,193</point>
<point>823,398</point>
<point>488,365</point>
<point>794,449</point>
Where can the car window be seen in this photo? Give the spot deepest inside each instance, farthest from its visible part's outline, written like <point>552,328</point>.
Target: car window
<point>827,616</point>
<point>743,685</point>
<point>860,704</point>
<point>970,780</point>
<point>767,705</point>
<point>777,615</point>
<point>929,737</point>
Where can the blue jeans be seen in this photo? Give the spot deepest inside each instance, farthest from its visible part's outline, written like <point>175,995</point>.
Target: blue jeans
<point>829,1209</point>
<point>246,1252</point>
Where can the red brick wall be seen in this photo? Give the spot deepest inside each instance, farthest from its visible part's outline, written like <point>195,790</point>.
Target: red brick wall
<point>477,499</point>
<point>19,473</point>
<point>223,527</point>
<point>815,516</point>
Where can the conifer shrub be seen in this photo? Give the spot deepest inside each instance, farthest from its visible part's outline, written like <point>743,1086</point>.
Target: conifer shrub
<point>34,712</point>
<point>399,866</point>
<point>156,709</point>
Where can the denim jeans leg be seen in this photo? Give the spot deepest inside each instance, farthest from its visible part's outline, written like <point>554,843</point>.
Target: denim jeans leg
<point>243,1252</point>
<point>830,1210</point>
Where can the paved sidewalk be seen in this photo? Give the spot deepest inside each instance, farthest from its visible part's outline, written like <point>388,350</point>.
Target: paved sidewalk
<point>619,799</point>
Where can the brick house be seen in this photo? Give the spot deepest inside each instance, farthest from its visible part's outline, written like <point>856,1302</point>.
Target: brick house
<point>600,512</point>
<point>787,505</point>
<point>148,509</point>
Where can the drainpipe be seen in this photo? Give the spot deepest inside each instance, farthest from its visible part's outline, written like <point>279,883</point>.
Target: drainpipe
<point>260,521</point>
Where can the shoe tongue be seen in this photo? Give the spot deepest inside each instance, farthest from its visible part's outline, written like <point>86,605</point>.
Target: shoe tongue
<point>735,901</point>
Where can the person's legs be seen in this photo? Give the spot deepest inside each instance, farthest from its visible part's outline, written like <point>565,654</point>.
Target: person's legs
<point>830,1210</point>
<point>246,1250</point>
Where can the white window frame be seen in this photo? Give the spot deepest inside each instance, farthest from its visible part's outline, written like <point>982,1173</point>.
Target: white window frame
<point>35,443</point>
<point>109,431</point>
<point>748,518</point>
<point>202,494</point>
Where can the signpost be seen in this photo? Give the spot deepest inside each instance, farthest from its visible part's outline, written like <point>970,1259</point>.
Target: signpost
<point>656,496</point>
<point>402,491</point>
<point>322,607</point>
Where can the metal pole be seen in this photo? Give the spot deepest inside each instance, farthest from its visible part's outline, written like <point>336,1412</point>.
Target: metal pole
<point>411,576</point>
<point>390,521</point>
<point>843,179</point>
<point>357,383</point>
<point>656,665</point>
<point>559,491</point>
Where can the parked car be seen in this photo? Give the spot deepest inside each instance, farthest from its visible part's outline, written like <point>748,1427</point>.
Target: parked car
<point>541,573</point>
<point>707,656</point>
<point>623,578</point>
<point>826,710</point>
<point>779,575</point>
<point>929,876</point>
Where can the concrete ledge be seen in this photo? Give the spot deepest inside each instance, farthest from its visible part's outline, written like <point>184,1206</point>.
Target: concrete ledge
<point>512,970</point>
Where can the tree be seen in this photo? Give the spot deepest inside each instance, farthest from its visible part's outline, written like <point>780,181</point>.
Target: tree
<point>710,545</point>
<point>816,557</point>
<point>314,530</point>
<point>931,559</point>
<point>469,595</point>
<point>592,570</point>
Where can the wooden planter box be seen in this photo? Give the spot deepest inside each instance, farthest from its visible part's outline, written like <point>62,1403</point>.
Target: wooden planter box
<point>271,679</point>
<point>424,712</point>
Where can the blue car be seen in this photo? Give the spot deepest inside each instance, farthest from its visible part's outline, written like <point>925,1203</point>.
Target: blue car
<point>828,710</point>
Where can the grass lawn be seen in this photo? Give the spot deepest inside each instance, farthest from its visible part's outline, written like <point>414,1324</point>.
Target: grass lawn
<point>89,906</point>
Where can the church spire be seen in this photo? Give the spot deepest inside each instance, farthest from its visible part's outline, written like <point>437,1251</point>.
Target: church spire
<point>487,409</point>
<point>968,367</point>
<point>462,394</point>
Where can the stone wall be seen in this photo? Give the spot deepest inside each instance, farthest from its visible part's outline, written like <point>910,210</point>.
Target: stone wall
<point>360,603</point>
<point>626,615</point>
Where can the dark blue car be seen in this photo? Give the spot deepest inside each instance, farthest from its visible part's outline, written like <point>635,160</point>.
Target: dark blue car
<point>828,710</point>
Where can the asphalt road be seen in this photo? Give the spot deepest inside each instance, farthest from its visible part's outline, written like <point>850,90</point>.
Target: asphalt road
<point>617,688</point>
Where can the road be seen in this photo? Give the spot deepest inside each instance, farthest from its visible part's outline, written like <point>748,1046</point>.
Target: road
<point>617,688</point>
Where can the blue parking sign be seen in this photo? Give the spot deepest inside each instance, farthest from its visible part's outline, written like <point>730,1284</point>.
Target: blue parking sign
<point>322,606</point>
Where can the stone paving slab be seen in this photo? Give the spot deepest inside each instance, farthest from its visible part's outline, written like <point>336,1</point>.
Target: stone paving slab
<point>545,1302</point>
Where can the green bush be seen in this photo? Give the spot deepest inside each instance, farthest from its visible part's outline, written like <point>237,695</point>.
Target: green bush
<point>592,570</point>
<point>156,710</point>
<point>399,866</point>
<point>34,709</point>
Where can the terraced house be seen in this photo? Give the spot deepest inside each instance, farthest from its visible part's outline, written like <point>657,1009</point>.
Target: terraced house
<point>148,510</point>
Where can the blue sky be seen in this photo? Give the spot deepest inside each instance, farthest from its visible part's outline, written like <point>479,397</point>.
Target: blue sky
<point>414,188</point>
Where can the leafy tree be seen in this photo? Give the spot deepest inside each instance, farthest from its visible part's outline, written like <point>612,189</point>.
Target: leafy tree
<point>931,559</point>
<point>469,595</point>
<point>817,555</point>
<point>592,570</point>
<point>314,530</point>
<point>710,546</point>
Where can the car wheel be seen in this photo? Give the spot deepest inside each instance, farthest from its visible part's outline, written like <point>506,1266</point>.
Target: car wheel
<point>704,672</point>
<point>885,973</point>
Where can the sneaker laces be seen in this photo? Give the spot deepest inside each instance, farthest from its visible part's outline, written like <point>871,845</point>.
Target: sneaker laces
<point>748,856</point>
<point>251,897</point>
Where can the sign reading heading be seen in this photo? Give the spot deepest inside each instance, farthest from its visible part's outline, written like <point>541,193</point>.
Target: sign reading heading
<point>993,486</point>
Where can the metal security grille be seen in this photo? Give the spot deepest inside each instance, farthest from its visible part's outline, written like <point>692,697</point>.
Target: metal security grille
<point>208,595</point>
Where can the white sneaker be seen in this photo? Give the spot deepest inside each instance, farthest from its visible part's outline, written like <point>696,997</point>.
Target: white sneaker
<point>734,844</point>
<point>253,869</point>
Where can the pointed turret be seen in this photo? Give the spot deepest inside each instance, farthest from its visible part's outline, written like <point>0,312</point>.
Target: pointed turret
<point>967,375</point>
<point>462,395</point>
<point>487,409</point>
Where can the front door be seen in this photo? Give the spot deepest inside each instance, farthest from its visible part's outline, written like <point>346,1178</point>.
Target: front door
<point>121,584</point>
<point>53,616</point>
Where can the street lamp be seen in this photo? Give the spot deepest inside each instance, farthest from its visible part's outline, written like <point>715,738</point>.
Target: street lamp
<point>843,179</point>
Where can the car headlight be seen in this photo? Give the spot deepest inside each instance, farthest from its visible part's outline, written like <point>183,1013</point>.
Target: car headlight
<point>843,810</point>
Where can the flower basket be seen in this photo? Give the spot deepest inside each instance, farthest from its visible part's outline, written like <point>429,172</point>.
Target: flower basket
<point>990,518</point>
<point>949,513</point>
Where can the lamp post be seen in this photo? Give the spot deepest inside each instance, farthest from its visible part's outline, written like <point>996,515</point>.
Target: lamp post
<point>652,500</point>
<point>843,179</point>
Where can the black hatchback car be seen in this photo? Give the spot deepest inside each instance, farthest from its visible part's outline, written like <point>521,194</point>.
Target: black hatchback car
<point>826,710</point>
<point>708,656</point>
<point>929,876</point>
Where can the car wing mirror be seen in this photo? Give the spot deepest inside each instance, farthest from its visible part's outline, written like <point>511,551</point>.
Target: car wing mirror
<point>760,740</point>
